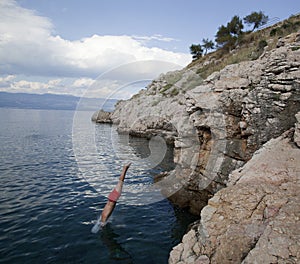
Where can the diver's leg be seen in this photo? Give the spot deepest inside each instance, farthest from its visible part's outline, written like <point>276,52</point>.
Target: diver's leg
<point>107,211</point>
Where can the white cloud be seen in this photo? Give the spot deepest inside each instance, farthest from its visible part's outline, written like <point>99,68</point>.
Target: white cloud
<point>54,86</point>
<point>127,79</point>
<point>83,82</point>
<point>7,78</point>
<point>32,86</point>
<point>54,82</point>
<point>6,81</point>
<point>114,89</point>
<point>28,47</point>
<point>121,82</point>
<point>157,37</point>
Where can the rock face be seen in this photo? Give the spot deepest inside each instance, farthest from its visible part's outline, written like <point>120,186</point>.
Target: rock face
<point>237,154</point>
<point>297,130</point>
<point>102,116</point>
<point>256,218</point>
<point>218,123</point>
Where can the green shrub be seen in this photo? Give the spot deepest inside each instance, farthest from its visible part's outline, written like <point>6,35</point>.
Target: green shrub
<point>166,87</point>
<point>273,32</point>
<point>174,92</point>
<point>276,32</point>
<point>287,25</point>
<point>262,43</point>
<point>295,48</point>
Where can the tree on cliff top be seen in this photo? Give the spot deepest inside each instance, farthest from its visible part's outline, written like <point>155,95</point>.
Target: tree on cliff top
<point>227,36</point>
<point>257,19</point>
<point>223,36</point>
<point>235,26</point>
<point>196,51</point>
<point>207,45</point>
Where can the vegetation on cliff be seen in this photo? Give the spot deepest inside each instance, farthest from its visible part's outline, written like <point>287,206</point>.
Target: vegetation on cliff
<point>236,46</point>
<point>230,35</point>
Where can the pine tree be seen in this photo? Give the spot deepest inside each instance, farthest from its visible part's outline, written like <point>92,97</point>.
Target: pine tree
<point>257,19</point>
<point>196,51</point>
<point>229,35</point>
<point>208,45</point>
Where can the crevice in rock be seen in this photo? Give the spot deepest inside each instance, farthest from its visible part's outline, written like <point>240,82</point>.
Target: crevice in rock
<point>257,205</point>
<point>252,246</point>
<point>234,157</point>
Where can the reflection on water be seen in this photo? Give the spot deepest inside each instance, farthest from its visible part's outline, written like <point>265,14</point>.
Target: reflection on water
<point>116,252</point>
<point>47,208</point>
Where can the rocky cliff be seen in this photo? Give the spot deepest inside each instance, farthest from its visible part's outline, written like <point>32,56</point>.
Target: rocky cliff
<point>218,123</point>
<point>255,219</point>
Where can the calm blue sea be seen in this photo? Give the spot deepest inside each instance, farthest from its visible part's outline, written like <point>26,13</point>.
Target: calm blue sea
<point>47,206</point>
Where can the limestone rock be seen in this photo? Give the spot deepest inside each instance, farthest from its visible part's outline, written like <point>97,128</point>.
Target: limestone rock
<point>297,130</point>
<point>102,116</point>
<point>256,218</point>
<point>231,162</point>
<point>216,124</point>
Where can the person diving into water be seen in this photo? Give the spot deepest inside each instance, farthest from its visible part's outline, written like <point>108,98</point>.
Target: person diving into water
<point>112,201</point>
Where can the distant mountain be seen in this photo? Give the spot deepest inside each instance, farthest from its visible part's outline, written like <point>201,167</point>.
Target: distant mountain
<point>54,102</point>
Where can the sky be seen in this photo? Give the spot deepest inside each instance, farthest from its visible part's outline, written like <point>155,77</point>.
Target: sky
<point>109,48</point>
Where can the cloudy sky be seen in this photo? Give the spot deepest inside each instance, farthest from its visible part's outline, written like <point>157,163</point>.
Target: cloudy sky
<point>108,48</point>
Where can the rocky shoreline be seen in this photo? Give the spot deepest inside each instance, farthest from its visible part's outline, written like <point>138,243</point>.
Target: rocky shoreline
<point>230,168</point>
<point>255,219</point>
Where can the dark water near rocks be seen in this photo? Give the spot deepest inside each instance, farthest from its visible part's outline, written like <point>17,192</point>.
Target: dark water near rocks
<point>47,208</point>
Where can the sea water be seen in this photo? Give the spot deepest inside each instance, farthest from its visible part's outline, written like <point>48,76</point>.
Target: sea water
<point>48,206</point>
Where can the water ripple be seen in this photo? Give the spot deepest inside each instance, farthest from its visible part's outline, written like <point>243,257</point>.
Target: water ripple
<point>47,208</point>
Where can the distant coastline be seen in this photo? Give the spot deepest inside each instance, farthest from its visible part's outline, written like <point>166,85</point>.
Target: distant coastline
<point>54,102</point>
